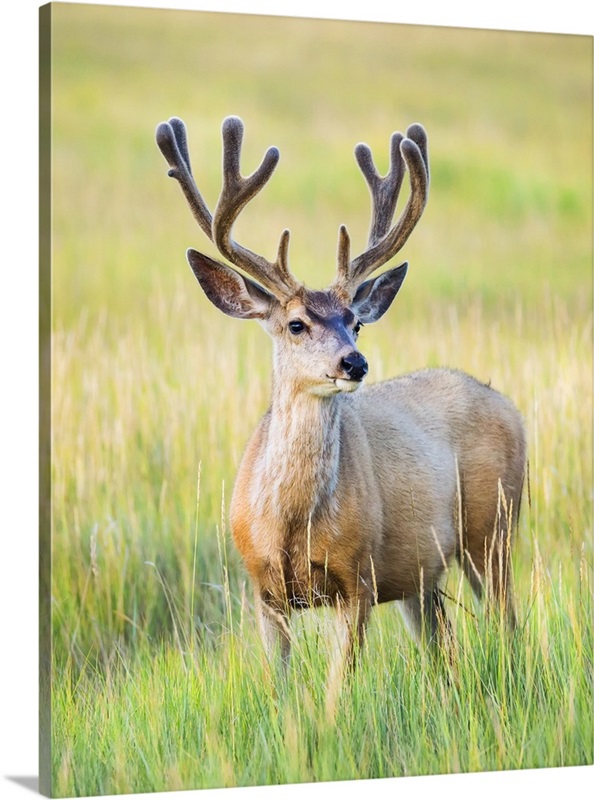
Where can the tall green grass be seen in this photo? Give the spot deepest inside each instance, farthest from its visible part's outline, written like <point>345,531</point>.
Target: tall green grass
<point>159,681</point>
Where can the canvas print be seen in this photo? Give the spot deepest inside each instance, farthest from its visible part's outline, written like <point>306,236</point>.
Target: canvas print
<point>316,422</point>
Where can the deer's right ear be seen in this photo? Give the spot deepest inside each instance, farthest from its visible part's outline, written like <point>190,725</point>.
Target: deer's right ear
<point>231,292</point>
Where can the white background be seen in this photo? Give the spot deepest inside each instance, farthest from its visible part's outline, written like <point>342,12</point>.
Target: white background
<point>18,387</point>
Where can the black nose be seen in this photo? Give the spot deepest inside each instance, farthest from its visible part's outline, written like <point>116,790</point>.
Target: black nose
<point>354,365</point>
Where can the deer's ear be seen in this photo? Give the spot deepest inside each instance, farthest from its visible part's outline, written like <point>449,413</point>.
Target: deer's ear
<point>230,292</point>
<point>375,296</point>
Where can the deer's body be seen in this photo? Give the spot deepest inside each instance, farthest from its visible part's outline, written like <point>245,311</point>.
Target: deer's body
<point>360,495</point>
<point>351,495</point>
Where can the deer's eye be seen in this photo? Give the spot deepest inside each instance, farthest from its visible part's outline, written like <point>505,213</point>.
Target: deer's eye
<point>357,328</point>
<point>296,326</point>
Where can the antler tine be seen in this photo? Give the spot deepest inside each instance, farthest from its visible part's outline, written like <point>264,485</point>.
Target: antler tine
<point>344,262</point>
<point>236,193</point>
<point>418,135</point>
<point>384,242</point>
<point>384,191</point>
<point>172,140</point>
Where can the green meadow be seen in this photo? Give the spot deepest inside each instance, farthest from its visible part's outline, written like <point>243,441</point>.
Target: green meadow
<point>158,678</point>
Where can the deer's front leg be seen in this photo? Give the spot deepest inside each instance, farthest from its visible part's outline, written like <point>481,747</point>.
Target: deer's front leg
<point>352,622</point>
<point>275,631</point>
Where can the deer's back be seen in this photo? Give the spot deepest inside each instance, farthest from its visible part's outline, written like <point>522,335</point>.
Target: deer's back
<point>480,426</point>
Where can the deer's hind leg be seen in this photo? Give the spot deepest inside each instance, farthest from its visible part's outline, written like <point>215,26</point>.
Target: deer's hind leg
<point>486,556</point>
<point>426,618</point>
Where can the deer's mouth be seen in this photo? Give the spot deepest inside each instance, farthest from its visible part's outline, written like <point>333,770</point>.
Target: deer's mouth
<point>345,384</point>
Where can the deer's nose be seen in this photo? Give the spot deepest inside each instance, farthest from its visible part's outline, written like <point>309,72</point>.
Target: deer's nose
<point>355,366</point>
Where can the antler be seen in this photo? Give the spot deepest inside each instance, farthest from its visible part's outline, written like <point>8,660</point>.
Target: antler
<point>384,242</point>
<point>237,191</point>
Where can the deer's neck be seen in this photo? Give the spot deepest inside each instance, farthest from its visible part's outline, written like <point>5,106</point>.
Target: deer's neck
<point>302,454</point>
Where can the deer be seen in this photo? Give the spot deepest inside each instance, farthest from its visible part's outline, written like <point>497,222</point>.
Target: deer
<point>350,495</point>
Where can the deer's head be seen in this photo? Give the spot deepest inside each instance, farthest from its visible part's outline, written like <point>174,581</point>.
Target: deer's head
<point>314,332</point>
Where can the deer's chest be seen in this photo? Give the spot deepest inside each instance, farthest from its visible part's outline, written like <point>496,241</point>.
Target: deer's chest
<point>304,569</point>
<point>298,525</point>
<point>300,560</point>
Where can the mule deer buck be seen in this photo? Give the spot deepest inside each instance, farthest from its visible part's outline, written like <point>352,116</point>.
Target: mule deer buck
<point>350,495</point>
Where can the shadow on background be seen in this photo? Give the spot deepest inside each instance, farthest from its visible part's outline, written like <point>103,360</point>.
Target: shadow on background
<point>30,782</point>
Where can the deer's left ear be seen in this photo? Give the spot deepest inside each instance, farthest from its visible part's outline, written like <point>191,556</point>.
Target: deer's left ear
<point>375,296</point>
<point>231,292</point>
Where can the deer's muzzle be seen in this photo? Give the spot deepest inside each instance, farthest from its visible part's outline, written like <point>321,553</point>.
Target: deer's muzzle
<point>355,366</point>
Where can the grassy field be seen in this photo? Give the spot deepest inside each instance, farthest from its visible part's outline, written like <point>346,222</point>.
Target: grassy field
<point>159,681</point>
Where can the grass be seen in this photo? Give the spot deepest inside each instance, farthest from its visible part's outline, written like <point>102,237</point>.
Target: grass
<point>159,681</point>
